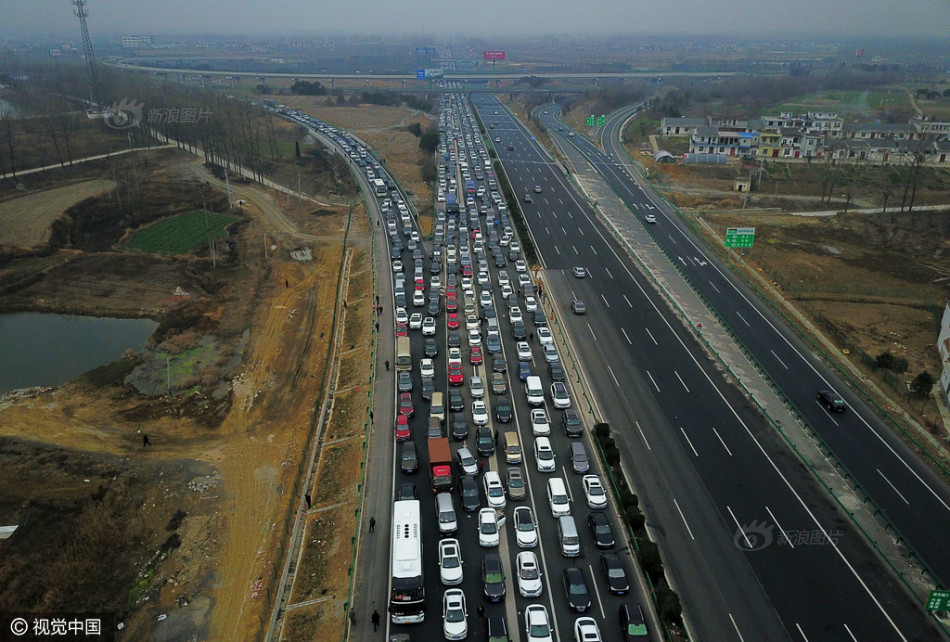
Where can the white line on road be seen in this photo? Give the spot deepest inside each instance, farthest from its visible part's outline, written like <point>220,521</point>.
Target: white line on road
<point>802,633</point>
<point>714,287</point>
<point>547,230</point>
<point>722,442</point>
<point>575,250</point>
<point>613,376</point>
<point>777,359</point>
<point>563,231</point>
<point>780,529</point>
<point>849,632</point>
<point>581,230</point>
<point>600,602</point>
<point>681,260</point>
<point>892,486</point>
<point>683,517</point>
<point>681,380</point>
<point>594,250</point>
<point>554,214</point>
<point>608,273</point>
<point>743,318</point>
<point>604,300</point>
<point>592,332</point>
<point>686,437</point>
<point>557,249</point>
<point>651,336</point>
<point>736,627</point>
<point>627,300</point>
<point>626,337</point>
<point>673,239</point>
<point>748,543</point>
<point>652,380</point>
<point>642,435</point>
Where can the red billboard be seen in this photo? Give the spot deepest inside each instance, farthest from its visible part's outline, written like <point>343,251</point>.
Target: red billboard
<point>494,55</point>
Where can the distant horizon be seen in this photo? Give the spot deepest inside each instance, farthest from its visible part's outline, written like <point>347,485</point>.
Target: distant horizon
<point>490,19</point>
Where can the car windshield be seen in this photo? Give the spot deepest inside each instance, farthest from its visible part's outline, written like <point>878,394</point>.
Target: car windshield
<point>615,571</point>
<point>576,589</point>
<point>493,578</point>
<point>637,629</point>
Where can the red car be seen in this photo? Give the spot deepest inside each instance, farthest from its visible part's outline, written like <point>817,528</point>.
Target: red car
<point>402,330</point>
<point>405,404</point>
<point>452,321</point>
<point>456,376</point>
<point>476,355</point>
<point>420,284</point>
<point>450,290</point>
<point>451,304</point>
<point>402,428</point>
<point>467,271</point>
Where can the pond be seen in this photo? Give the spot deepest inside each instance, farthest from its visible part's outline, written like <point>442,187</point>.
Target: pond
<point>39,349</point>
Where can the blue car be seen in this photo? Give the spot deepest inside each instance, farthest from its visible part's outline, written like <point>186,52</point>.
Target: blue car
<point>524,370</point>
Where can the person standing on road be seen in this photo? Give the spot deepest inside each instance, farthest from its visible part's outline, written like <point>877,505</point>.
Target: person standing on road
<point>375,619</point>
<point>372,524</point>
<point>481,612</point>
<point>386,363</point>
<point>353,617</point>
<point>145,441</point>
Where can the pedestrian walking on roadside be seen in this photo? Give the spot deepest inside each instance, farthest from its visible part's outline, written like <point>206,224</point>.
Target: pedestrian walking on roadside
<point>145,441</point>
<point>309,501</point>
<point>377,326</point>
<point>371,416</point>
<point>386,363</point>
<point>531,338</point>
<point>375,619</point>
<point>353,617</point>
<point>377,299</point>
<point>481,612</point>
<point>372,524</point>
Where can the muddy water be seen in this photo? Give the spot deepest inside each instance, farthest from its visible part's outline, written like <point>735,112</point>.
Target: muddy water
<point>38,349</point>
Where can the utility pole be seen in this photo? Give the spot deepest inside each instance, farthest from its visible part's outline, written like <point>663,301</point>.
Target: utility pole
<point>80,12</point>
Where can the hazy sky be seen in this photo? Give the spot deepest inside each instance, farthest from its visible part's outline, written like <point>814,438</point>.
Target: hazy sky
<point>761,19</point>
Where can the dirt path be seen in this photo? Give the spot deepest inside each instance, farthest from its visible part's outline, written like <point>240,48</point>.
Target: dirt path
<point>25,221</point>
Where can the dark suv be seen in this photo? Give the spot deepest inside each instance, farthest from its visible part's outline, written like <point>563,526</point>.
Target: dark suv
<point>831,400</point>
<point>571,422</point>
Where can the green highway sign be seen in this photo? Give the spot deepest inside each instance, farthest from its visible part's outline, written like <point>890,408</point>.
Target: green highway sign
<point>740,236</point>
<point>590,120</point>
<point>938,601</point>
<point>601,120</point>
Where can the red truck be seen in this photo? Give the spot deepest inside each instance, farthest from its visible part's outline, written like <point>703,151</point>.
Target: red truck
<point>440,464</point>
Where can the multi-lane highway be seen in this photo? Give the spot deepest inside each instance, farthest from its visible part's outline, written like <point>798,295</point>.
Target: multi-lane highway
<point>705,465</point>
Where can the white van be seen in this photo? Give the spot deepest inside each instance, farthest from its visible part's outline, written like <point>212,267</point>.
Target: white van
<point>534,391</point>
<point>512,448</point>
<point>445,509</point>
<point>558,499</point>
<point>567,536</point>
<point>437,408</point>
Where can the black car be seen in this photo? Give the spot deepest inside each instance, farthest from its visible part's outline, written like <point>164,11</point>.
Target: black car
<point>407,491</point>
<point>518,330</point>
<point>497,629</point>
<point>499,261</point>
<point>601,528</point>
<point>498,363</point>
<point>539,318</point>
<point>831,400</point>
<point>503,409</point>
<point>614,572</point>
<point>632,623</point>
<point>556,370</point>
<point>468,490</point>
<point>484,441</point>
<point>571,422</point>
<point>434,308</point>
<point>428,387</point>
<point>493,577</point>
<point>459,427</point>
<point>456,402</point>
<point>408,458</point>
<point>512,300</point>
<point>488,312</point>
<point>432,347</point>
<point>575,588</point>
<point>455,339</point>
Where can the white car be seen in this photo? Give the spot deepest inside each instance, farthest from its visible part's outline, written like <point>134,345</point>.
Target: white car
<point>427,367</point>
<point>415,321</point>
<point>494,489</point>
<point>472,324</point>
<point>484,298</point>
<point>450,562</point>
<point>476,387</point>
<point>435,283</point>
<point>579,272</point>
<point>526,529</point>
<point>503,278</point>
<point>594,491</point>
<point>649,218</point>
<point>523,280</point>
<point>514,314</point>
<point>487,528</point>
<point>455,356</point>
<point>397,266</point>
<point>544,336</point>
<point>479,413</point>
<point>401,315</point>
<point>540,426</point>
<point>537,625</point>
<point>530,303</point>
<point>521,266</point>
<point>455,615</point>
<point>529,574</point>
<point>559,395</point>
<point>506,291</point>
<point>428,327</point>
<point>544,455</point>
<point>523,350</point>
<point>474,338</point>
<point>586,630</point>
<point>514,247</point>
<point>550,353</point>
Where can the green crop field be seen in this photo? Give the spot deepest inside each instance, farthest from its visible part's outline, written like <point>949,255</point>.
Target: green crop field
<point>183,233</point>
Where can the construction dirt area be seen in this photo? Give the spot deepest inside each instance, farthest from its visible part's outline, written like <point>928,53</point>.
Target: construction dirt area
<point>181,538</point>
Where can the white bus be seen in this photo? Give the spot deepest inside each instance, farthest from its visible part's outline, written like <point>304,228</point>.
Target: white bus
<point>407,601</point>
<point>379,185</point>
